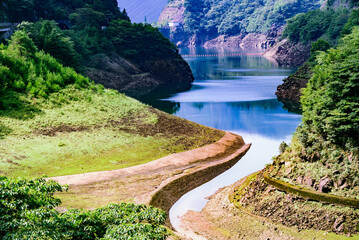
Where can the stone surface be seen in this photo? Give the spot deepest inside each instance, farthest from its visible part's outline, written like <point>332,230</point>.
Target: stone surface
<point>325,185</point>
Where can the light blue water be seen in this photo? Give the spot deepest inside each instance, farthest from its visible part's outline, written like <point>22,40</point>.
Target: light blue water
<point>234,94</point>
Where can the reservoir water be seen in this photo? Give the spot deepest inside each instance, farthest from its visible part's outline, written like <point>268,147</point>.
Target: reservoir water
<point>235,93</point>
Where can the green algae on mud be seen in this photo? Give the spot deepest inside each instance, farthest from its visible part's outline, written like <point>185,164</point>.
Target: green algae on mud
<point>77,131</point>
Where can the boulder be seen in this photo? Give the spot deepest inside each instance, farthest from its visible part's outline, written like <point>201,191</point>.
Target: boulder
<point>325,185</point>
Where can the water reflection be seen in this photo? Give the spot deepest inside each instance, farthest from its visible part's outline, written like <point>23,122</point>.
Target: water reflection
<point>234,94</point>
<point>266,118</point>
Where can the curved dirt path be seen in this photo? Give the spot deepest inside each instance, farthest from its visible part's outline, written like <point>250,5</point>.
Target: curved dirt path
<point>159,183</point>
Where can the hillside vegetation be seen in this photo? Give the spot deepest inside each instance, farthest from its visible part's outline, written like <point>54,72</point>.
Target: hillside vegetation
<point>52,118</point>
<point>316,30</point>
<point>324,153</point>
<point>27,211</point>
<point>92,41</point>
<point>205,20</point>
<point>54,121</point>
<point>235,17</point>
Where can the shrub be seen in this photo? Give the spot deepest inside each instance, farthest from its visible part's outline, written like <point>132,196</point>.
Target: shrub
<point>25,70</point>
<point>27,212</point>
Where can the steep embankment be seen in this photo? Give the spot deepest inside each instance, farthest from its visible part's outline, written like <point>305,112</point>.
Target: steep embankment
<point>289,92</point>
<point>230,23</point>
<point>220,219</point>
<point>301,44</point>
<point>119,74</point>
<point>313,184</point>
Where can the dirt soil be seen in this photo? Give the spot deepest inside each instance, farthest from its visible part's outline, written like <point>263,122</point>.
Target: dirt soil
<point>141,183</point>
<point>220,219</point>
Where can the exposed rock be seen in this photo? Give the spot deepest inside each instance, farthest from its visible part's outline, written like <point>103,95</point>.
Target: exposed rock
<point>290,91</point>
<point>287,209</point>
<point>309,181</point>
<point>247,41</point>
<point>345,185</point>
<point>117,73</point>
<point>339,224</point>
<point>173,12</point>
<point>325,185</point>
<point>300,179</point>
<point>288,53</point>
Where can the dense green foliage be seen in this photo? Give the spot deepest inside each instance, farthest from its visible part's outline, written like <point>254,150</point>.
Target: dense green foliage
<point>353,21</point>
<point>27,211</point>
<point>82,45</point>
<point>331,99</point>
<point>316,47</point>
<point>32,10</point>
<point>25,70</point>
<point>81,33</point>
<point>234,17</point>
<point>139,42</point>
<point>312,25</point>
<point>48,37</point>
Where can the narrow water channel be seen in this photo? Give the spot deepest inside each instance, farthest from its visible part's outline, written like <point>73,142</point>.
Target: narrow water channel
<point>235,93</point>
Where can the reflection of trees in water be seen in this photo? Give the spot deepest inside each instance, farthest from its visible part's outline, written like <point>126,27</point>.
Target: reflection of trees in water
<point>199,105</point>
<point>265,104</point>
<point>167,106</point>
<point>210,67</point>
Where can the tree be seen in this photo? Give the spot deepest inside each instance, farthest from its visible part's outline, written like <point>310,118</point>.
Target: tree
<point>22,44</point>
<point>48,37</point>
<point>20,10</point>
<point>331,100</point>
<point>87,17</point>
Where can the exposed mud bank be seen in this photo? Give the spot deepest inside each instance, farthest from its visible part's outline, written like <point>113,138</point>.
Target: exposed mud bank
<point>161,182</point>
<point>173,189</point>
<point>220,219</point>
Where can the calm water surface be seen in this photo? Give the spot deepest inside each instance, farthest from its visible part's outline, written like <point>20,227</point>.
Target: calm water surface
<point>233,93</point>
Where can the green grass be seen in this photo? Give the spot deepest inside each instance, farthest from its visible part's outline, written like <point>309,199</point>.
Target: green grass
<point>77,152</point>
<point>77,131</point>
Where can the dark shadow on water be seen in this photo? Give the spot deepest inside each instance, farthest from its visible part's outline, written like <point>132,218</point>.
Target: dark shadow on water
<point>154,99</point>
<point>263,104</point>
<point>291,106</point>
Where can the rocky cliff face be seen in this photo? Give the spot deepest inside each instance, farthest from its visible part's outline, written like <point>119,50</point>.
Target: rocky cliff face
<point>289,92</point>
<point>137,81</point>
<point>173,12</point>
<point>250,40</point>
<point>285,52</point>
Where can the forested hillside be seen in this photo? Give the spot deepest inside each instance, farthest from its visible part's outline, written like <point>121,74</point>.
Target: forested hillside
<point>209,19</point>
<point>305,35</point>
<point>98,39</point>
<point>235,17</point>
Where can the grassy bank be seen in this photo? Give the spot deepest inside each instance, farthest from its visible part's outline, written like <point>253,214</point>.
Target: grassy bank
<point>78,131</point>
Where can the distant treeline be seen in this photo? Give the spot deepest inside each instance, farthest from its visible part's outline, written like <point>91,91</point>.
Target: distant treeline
<point>241,16</point>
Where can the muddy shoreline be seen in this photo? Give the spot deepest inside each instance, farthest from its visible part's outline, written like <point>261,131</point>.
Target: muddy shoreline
<point>159,183</point>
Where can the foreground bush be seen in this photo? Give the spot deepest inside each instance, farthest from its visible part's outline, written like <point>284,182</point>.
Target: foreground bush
<point>27,211</point>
